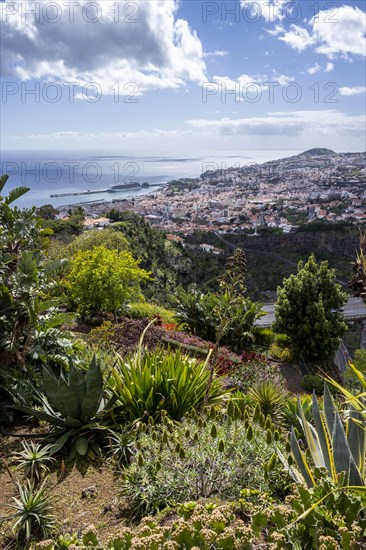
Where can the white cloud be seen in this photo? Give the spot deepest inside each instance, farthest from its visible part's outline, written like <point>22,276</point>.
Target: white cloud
<point>156,51</point>
<point>356,90</point>
<point>276,131</point>
<point>313,70</point>
<point>245,81</point>
<point>278,29</point>
<point>282,79</point>
<point>331,123</point>
<point>297,38</point>
<point>217,53</point>
<point>241,81</point>
<point>339,32</point>
<point>329,67</point>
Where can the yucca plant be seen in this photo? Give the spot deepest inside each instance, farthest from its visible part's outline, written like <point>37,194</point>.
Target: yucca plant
<point>154,383</point>
<point>330,446</point>
<point>33,459</point>
<point>72,405</point>
<point>33,510</point>
<point>271,399</point>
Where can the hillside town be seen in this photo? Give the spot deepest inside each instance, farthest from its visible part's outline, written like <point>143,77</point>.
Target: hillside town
<point>318,185</point>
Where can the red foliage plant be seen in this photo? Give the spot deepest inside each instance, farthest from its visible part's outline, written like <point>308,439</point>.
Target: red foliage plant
<point>250,356</point>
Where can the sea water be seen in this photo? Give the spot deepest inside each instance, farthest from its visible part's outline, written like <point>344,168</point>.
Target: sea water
<point>66,172</point>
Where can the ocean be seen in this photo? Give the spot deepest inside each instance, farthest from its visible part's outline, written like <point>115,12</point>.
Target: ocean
<point>52,173</point>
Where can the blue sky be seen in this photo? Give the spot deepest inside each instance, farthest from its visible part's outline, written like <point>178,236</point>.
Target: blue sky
<point>166,77</point>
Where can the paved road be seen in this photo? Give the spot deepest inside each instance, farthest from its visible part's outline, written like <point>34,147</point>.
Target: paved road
<point>354,309</point>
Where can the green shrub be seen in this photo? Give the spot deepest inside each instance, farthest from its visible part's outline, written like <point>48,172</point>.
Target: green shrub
<point>263,336</point>
<point>281,354</point>
<point>324,517</point>
<point>195,312</point>
<point>282,340</point>
<point>146,310</point>
<point>211,457</point>
<point>254,521</point>
<point>339,522</point>
<point>246,374</point>
<point>155,383</point>
<point>103,281</point>
<point>312,382</point>
<point>207,526</point>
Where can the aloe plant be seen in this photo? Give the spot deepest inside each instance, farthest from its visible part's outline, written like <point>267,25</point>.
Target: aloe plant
<point>71,405</point>
<point>33,459</point>
<point>33,510</point>
<point>331,446</point>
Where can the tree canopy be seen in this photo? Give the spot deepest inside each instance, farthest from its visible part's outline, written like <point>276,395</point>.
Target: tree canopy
<point>103,280</point>
<point>308,310</point>
<point>108,237</point>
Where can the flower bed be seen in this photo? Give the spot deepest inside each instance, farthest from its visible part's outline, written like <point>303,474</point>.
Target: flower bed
<point>124,338</point>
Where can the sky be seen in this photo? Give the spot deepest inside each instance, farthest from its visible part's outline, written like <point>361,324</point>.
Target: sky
<point>182,77</point>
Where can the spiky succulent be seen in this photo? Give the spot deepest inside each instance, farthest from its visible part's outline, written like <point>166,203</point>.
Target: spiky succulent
<point>33,510</point>
<point>33,459</point>
<point>71,404</point>
<point>331,446</point>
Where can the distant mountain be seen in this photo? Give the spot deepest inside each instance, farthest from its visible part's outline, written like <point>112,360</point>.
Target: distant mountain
<point>319,151</point>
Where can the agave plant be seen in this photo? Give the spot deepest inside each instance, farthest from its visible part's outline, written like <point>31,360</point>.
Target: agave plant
<point>71,405</point>
<point>358,400</point>
<point>341,452</point>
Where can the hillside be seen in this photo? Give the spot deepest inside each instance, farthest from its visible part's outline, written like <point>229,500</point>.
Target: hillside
<point>273,256</point>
